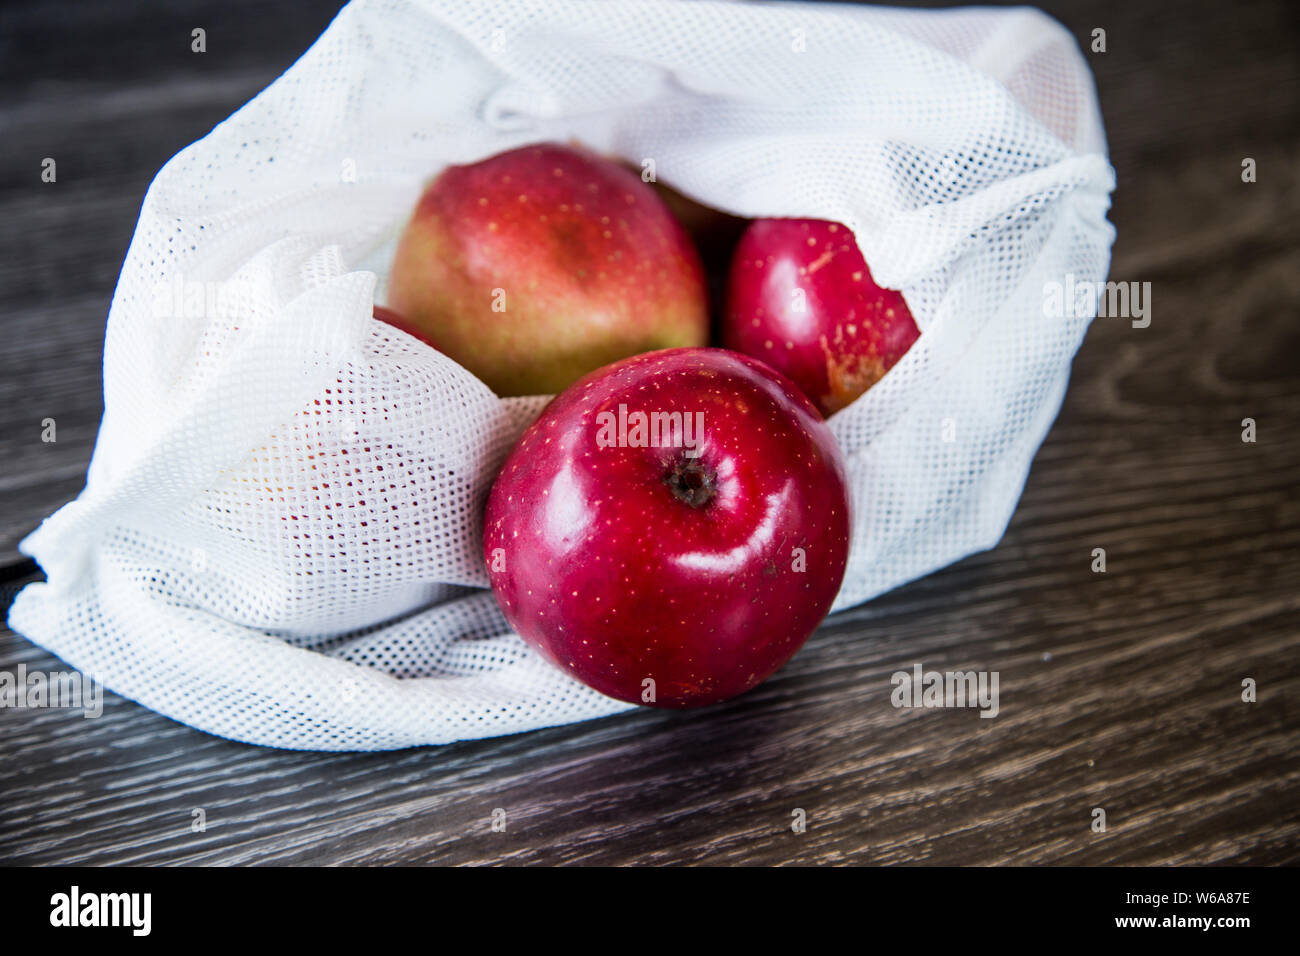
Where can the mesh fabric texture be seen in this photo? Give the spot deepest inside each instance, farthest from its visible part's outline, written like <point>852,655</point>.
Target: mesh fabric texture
<point>279,537</point>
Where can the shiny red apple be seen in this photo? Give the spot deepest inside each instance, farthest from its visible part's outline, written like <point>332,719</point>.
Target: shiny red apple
<point>538,265</point>
<point>389,317</point>
<point>801,298</point>
<point>672,528</point>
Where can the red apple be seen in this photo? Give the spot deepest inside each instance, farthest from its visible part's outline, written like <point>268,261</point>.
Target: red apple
<point>678,574</point>
<point>801,298</point>
<point>536,266</point>
<point>389,317</point>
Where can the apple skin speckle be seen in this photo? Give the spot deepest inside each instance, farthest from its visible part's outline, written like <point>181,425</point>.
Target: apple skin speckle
<point>626,563</point>
<point>804,282</point>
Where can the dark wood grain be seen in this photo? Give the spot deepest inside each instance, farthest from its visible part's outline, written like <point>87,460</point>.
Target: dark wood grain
<point>1119,690</point>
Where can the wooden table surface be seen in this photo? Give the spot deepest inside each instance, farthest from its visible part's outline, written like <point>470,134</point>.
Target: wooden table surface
<point>1119,690</point>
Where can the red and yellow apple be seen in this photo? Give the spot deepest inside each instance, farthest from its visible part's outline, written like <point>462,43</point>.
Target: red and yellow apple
<point>538,265</point>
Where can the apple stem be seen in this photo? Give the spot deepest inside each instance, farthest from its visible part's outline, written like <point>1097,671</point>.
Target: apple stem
<point>692,482</point>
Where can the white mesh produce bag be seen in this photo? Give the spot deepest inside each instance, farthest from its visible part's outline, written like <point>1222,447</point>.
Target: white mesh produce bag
<point>279,539</point>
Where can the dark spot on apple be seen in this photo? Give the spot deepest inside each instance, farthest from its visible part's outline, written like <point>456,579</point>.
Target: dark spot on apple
<point>569,245</point>
<point>692,482</point>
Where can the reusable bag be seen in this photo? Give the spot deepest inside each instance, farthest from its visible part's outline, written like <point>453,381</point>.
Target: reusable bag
<point>279,539</point>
